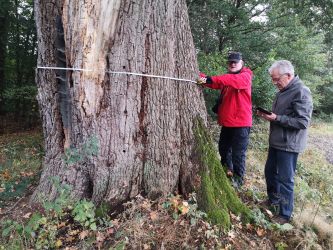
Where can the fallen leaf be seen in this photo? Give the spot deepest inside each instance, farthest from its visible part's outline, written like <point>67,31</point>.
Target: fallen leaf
<point>62,224</point>
<point>174,202</point>
<point>70,239</point>
<point>5,174</point>
<point>2,190</point>
<point>58,244</point>
<point>146,246</point>
<point>27,215</point>
<point>234,217</point>
<point>146,205</point>
<point>252,243</point>
<point>115,222</point>
<point>249,226</point>
<point>84,234</point>
<point>100,237</point>
<point>74,232</point>
<point>27,174</point>
<point>270,214</point>
<point>260,232</point>
<point>153,216</point>
<point>231,234</point>
<point>109,231</point>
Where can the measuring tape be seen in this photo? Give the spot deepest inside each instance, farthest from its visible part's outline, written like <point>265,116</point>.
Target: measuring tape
<point>120,72</point>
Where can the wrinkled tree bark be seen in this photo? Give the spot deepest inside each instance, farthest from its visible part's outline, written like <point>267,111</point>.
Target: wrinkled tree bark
<point>143,126</point>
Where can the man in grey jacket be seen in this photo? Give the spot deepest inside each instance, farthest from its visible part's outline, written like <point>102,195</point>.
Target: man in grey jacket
<point>289,121</point>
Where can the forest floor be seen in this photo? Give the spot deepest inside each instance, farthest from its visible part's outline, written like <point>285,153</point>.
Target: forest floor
<point>171,222</point>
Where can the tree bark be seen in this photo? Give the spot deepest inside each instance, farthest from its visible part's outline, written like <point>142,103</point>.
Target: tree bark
<point>143,127</point>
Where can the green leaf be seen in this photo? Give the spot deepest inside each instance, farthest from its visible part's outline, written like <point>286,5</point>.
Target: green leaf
<point>93,226</point>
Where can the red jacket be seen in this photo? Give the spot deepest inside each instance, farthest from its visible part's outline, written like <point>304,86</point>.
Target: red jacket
<point>236,107</point>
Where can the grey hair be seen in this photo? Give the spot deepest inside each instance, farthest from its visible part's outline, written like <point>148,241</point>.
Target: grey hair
<point>283,66</point>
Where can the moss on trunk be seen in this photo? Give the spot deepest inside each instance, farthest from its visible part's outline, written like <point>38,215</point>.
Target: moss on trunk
<point>216,196</point>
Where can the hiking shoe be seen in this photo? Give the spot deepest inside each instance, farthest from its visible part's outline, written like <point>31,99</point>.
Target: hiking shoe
<point>267,204</point>
<point>236,182</point>
<point>230,173</point>
<point>280,220</point>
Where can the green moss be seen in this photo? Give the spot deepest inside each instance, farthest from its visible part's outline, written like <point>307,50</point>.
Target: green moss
<point>215,195</point>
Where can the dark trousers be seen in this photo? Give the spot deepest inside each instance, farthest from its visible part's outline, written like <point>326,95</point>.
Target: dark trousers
<point>232,148</point>
<point>279,173</point>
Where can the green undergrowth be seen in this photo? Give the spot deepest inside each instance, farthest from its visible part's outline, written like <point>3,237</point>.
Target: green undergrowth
<point>216,196</point>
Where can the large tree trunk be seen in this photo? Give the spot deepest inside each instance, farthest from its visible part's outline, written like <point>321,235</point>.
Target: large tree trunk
<point>143,127</point>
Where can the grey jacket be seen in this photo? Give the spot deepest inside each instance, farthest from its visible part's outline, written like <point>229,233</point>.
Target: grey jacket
<point>293,107</point>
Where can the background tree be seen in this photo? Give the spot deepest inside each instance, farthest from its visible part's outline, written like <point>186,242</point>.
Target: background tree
<point>265,31</point>
<point>17,62</point>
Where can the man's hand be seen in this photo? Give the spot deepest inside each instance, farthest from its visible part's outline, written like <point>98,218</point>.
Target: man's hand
<point>201,80</point>
<point>271,117</point>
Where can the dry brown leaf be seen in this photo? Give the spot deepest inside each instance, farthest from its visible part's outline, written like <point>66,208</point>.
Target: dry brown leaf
<point>115,222</point>
<point>62,224</point>
<point>184,208</point>
<point>70,239</point>
<point>26,174</point>
<point>153,216</point>
<point>84,234</point>
<point>2,190</point>
<point>100,237</point>
<point>235,217</point>
<point>27,215</point>
<point>174,201</point>
<point>270,214</point>
<point>260,232</point>
<point>249,226</point>
<point>146,205</point>
<point>58,244</point>
<point>109,231</point>
<point>5,174</point>
<point>74,232</point>
<point>231,234</point>
<point>146,246</point>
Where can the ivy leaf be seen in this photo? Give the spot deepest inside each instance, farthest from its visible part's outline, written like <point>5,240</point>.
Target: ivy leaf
<point>93,226</point>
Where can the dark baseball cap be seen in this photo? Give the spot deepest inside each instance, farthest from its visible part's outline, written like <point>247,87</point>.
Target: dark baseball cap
<point>234,56</point>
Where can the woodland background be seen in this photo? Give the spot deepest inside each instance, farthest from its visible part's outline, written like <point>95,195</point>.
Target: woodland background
<point>300,31</point>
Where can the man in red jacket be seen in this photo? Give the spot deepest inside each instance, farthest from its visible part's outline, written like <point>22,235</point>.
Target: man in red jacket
<point>234,114</point>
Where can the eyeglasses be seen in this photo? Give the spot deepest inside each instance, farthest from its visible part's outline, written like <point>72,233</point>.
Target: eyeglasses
<point>276,80</point>
<point>233,62</point>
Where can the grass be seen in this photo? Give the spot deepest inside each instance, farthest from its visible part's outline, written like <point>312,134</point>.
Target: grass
<point>20,163</point>
<point>321,128</point>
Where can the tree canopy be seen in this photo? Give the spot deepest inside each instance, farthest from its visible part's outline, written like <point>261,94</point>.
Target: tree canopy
<point>299,31</point>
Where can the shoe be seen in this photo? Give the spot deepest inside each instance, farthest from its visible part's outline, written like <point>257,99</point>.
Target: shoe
<point>280,220</point>
<point>267,204</point>
<point>236,182</point>
<point>230,173</point>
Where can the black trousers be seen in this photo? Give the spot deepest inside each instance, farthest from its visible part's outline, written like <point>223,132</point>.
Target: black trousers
<point>232,148</point>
